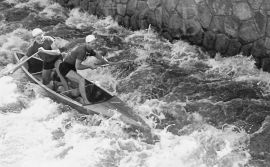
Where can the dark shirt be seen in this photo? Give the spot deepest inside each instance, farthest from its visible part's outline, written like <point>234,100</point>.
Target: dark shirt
<point>79,52</point>
<point>46,45</point>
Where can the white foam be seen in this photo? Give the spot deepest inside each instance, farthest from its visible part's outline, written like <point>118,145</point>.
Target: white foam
<point>29,3</point>
<point>79,19</point>
<point>8,90</point>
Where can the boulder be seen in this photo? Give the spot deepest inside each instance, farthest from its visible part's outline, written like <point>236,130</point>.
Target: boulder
<point>153,4</point>
<point>131,7</point>
<point>204,15</point>
<point>268,27</point>
<point>217,24</point>
<point>255,4</point>
<point>158,14</point>
<point>121,9</point>
<point>260,21</point>
<point>170,5</point>
<point>142,5</point>
<point>134,22</point>
<point>266,64</point>
<point>187,9</point>
<point>266,5</point>
<point>84,4</point>
<point>233,47</point>
<point>92,8</point>
<point>267,43</point>
<point>126,21</point>
<point>231,26</point>
<point>248,32</point>
<point>246,49</point>
<point>258,49</point>
<point>221,7</point>
<point>221,44</point>
<point>209,40</point>
<point>242,11</point>
<point>175,25</point>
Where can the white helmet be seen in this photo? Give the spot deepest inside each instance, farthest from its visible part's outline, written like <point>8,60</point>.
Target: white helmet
<point>36,32</point>
<point>90,38</point>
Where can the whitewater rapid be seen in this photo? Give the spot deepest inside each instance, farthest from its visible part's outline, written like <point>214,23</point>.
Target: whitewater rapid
<point>37,131</point>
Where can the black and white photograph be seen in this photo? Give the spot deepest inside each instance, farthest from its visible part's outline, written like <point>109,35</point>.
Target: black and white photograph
<point>134,83</point>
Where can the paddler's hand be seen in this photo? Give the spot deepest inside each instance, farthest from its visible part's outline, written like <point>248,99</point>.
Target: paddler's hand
<point>64,55</point>
<point>41,49</point>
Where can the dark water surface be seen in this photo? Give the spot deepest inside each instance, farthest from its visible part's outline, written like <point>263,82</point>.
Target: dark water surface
<point>205,112</point>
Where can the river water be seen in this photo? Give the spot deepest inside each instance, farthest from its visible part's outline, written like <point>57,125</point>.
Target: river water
<point>204,112</point>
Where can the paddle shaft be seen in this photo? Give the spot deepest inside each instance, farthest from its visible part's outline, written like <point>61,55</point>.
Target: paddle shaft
<point>105,65</point>
<point>20,64</point>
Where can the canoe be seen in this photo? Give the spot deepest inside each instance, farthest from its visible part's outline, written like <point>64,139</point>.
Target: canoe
<point>102,102</point>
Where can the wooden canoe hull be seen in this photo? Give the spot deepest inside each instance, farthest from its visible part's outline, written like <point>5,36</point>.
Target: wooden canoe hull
<point>109,107</point>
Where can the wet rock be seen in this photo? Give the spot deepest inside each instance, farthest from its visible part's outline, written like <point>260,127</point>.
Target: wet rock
<point>142,5</point>
<point>73,3</point>
<point>221,7</point>
<point>217,24</point>
<point>233,48</point>
<point>258,50</point>
<point>134,22</point>
<point>165,19</point>
<point>204,15</point>
<point>246,21</point>
<point>266,64</point>
<point>158,14</point>
<point>255,4</point>
<point>126,21</point>
<point>131,7</point>
<point>231,26</point>
<point>170,5</point>
<point>84,4</point>
<point>242,11</point>
<point>261,21</point>
<point>268,28</point>
<point>143,22</point>
<point>187,9</point>
<point>119,19</point>
<point>246,49</point>
<point>151,18</point>
<point>221,44</point>
<point>196,38</point>
<point>121,9</point>
<point>167,35</point>
<point>176,24</point>
<point>153,4</point>
<point>191,28</point>
<point>209,40</point>
<point>266,5</point>
<point>248,32</point>
<point>92,7</point>
<point>267,43</point>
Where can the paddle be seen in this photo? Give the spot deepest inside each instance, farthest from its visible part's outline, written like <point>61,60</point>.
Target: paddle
<point>115,63</point>
<point>18,65</point>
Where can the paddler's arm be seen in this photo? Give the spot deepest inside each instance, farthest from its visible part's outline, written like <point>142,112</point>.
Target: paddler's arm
<point>101,58</point>
<point>54,51</point>
<point>80,66</point>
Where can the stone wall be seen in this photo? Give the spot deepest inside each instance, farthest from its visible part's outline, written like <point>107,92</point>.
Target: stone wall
<point>225,26</point>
